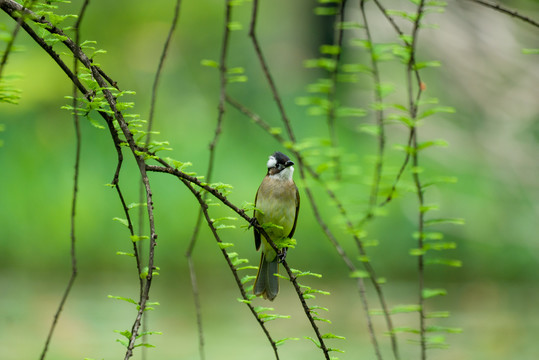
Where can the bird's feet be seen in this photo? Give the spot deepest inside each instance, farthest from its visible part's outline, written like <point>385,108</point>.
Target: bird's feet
<point>253,222</point>
<point>282,255</point>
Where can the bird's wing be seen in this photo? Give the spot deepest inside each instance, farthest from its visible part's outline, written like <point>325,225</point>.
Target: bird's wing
<point>296,216</point>
<point>256,232</point>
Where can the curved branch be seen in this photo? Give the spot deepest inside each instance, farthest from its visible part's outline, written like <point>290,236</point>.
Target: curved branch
<point>507,11</point>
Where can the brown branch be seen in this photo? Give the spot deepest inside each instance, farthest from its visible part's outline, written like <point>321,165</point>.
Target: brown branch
<point>413,106</point>
<point>246,299</point>
<point>379,121</point>
<point>166,168</point>
<point>209,175</point>
<point>507,11</point>
<point>302,167</point>
<point>74,270</point>
<point>332,94</point>
<point>267,74</point>
<point>157,77</point>
<point>11,7</point>
<point>11,41</point>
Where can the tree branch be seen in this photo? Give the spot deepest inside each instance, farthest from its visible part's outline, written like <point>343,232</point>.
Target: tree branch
<point>504,10</point>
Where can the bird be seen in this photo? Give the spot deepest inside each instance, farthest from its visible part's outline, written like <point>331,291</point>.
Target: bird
<point>276,205</point>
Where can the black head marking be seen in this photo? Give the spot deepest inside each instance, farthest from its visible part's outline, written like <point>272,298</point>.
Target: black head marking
<point>278,162</point>
<point>280,157</point>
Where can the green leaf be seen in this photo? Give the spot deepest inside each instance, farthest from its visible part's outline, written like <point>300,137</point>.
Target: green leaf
<point>122,221</point>
<point>149,333</point>
<point>427,144</point>
<point>347,25</point>
<point>450,330</point>
<point>325,11</point>
<point>330,49</point>
<point>281,341</point>
<point>427,235</point>
<point>399,309</point>
<point>385,89</point>
<point>370,129</point>
<point>426,208</point>
<point>313,340</point>
<point>448,262</point>
<point>223,245</point>
<point>356,68</point>
<point>300,273</point>
<point>424,64</point>
<point>129,300</point>
<point>350,111</point>
<point>234,25</point>
<point>405,329</point>
<point>417,252</point>
<point>262,308</point>
<point>530,51</point>
<point>123,342</point>
<point>124,253</point>
<point>210,63</point>
<point>135,238</point>
<point>247,278</point>
<point>332,336</point>
<point>94,123</point>
<point>436,110</point>
<point>359,274</point>
<point>437,314</point>
<point>223,226</point>
<point>456,221</point>
<point>428,293</point>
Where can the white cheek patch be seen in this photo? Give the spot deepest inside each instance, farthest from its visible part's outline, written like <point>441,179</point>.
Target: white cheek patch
<point>272,162</point>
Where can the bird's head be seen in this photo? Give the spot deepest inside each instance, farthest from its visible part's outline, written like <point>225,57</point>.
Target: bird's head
<point>280,166</point>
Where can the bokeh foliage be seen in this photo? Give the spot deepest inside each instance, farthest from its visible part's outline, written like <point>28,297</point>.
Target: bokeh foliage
<point>493,145</point>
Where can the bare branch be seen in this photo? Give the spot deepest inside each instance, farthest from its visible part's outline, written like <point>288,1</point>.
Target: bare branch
<point>75,179</point>
<point>504,10</point>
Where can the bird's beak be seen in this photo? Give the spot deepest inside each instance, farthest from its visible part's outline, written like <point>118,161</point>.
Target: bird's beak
<point>289,163</point>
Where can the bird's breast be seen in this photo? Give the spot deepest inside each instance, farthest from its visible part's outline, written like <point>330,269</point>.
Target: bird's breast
<point>277,201</point>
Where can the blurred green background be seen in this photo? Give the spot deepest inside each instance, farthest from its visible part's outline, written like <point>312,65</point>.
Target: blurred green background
<point>493,152</point>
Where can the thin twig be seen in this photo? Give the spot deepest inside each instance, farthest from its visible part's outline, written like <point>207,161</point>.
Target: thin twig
<point>338,33</point>
<point>504,10</point>
<point>246,299</point>
<point>11,41</point>
<point>413,106</point>
<point>157,77</point>
<point>302,165</point>
<point>379,115</point>
<point>267,74</point>
<point>209,172</point>
<point>331,237</point>
<point>166,168</point>
<point>153,100</point>
<point>75,185</point>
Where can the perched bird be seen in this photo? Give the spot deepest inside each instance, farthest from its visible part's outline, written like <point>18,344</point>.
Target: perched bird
<point>277,206</point>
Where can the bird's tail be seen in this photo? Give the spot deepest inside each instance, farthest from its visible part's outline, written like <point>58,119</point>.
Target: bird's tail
<point>266,283</point>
